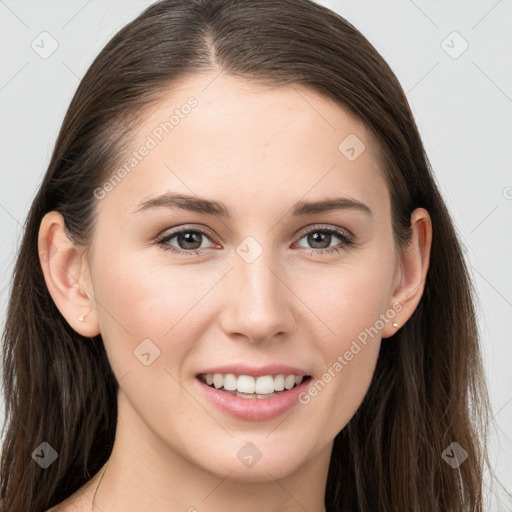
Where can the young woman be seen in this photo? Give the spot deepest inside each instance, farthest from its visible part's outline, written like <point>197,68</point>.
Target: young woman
<point>239,287</point>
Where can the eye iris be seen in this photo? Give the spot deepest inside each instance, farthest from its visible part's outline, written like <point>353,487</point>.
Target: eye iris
<point>188,238</point>
<point>316,237</point>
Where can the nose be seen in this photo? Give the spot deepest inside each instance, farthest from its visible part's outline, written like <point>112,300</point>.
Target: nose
<point>259,303</point>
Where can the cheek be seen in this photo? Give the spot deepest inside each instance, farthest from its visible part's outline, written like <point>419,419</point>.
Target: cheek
<point>348,299</point>
<point>354,308</point>
<point>139,300</point>
<point>342,386</point>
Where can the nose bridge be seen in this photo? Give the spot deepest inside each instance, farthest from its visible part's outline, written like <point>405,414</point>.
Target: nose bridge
<point>259,305</point>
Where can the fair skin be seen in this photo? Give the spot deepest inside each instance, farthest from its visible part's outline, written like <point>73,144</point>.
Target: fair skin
<point>258,151</point>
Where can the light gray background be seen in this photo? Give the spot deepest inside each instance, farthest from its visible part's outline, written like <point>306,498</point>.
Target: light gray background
<point>463,107</point>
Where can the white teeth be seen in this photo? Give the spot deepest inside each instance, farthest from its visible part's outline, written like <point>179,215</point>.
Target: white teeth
<point>218,380</point>
<point>264,385</point>
<point>279,382</point>
<point>289,382</point>
<point>245,384</point>
<point>230,381</point>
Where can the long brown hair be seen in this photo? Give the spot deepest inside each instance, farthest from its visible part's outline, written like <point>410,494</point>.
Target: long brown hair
<point>428,389</point>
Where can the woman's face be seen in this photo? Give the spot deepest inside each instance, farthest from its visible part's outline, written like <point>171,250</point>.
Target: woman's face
<point>246,277</point>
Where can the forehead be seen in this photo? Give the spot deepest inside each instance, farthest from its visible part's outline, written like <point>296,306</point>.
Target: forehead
<point>216,135</point>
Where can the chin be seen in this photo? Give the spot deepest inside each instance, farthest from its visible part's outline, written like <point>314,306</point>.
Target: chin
<point>255,461</point>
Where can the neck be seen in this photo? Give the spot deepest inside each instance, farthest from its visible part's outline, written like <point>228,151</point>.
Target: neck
<point>172,482</point>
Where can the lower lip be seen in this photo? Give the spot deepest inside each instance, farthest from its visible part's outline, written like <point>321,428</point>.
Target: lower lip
<point>253,409</point>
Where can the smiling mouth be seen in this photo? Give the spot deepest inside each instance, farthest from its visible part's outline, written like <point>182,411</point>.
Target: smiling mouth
<point>246,386</point>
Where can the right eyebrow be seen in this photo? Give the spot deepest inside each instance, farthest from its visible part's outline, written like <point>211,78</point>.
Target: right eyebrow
<point>185,202</point>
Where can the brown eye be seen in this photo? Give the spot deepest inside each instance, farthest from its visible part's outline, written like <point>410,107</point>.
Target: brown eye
<point>188,241</point>
<point>320,239</point>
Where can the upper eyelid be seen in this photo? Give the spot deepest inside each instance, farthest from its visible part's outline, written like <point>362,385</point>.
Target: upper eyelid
<point>328,228</point>
<point>184,229</point>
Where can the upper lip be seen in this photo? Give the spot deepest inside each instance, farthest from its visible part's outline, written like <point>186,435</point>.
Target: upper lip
<point>244,369</point>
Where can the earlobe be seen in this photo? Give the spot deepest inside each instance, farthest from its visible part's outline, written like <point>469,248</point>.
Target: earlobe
<point>66,273</point>
<point>414,264</point>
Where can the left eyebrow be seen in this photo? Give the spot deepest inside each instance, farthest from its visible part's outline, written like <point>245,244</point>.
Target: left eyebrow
<point>337,203</point>
<point>211,207</point>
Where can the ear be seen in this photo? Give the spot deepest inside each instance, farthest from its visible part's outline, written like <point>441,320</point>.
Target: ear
<point>67,275</point>
<point>412,272</point>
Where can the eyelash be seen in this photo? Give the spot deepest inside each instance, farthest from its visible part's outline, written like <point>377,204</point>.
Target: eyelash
<point>347,240</point>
